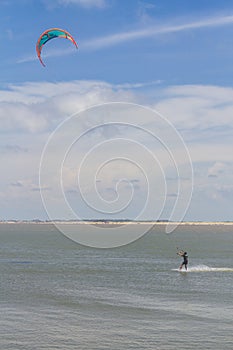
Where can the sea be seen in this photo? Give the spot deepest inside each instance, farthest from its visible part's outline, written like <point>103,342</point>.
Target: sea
<point>58,294</point>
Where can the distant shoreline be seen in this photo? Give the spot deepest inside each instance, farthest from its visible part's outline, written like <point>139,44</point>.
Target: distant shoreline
<point>109,222</point>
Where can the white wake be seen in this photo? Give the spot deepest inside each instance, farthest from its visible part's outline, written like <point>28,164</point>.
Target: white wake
<point>205,268</point>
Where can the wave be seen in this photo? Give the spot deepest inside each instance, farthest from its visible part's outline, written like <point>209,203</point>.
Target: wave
<point>205,268</point>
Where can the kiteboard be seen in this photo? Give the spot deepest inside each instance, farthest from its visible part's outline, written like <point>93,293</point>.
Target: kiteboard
<point>181,271</point>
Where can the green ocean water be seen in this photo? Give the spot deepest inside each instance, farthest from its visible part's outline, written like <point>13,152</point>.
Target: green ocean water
<point>57,294</point>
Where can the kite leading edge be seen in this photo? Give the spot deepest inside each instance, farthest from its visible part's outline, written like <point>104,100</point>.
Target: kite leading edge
<point>52,34</point>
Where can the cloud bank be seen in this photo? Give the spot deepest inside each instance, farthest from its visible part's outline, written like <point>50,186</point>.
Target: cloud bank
<point>30,112</point>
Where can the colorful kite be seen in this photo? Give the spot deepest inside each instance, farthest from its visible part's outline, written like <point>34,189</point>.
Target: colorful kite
<point>51,34</point>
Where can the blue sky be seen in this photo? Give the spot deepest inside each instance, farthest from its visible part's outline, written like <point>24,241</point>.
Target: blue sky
<point>174,57</point>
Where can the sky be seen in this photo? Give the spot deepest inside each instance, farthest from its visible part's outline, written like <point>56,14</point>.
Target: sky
<point>134,124</point>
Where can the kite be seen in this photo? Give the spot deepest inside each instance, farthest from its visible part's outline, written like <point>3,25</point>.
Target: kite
<point>51,34</point>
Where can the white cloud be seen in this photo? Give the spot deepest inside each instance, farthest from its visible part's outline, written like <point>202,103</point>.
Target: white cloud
<point>202,111</point>
<point>49,53</point>
<point>36,107</point>
<point>203,114</point>
<point>13,149</point>
<point>216,169</point>
<point>118,38</point>
<point>121,37</point>
<point>30,112</point>
<point>20,117</point>
<point>144,10</point>
<point>225,191</point>
<point>83,3</point>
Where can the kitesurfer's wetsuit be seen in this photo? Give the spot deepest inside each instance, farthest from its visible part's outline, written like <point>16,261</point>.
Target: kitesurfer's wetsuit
<point>185,262</point>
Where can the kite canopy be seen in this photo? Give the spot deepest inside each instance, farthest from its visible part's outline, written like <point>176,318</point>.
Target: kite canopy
<point>51,34</point>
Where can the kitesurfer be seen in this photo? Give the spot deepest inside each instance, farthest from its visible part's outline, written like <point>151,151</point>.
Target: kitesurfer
<point>184,255</point>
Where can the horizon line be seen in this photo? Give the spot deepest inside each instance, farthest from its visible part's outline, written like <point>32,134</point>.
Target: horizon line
<point>109,221</point>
